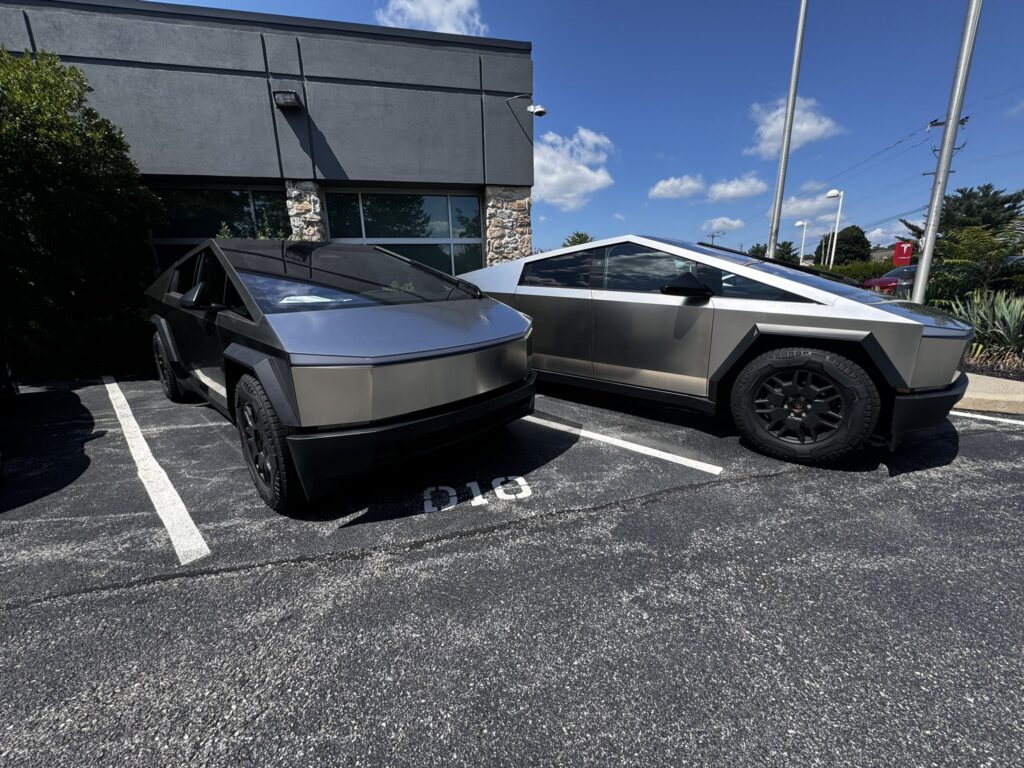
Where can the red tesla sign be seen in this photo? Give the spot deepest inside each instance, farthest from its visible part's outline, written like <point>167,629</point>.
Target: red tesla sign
<point>902,254</point>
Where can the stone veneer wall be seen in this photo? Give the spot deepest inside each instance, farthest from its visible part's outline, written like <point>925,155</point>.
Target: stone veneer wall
<point>509,233</point>
<point>303,199</point>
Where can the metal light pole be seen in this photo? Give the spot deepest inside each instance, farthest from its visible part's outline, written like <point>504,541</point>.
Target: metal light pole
<point>835,232</point>
<point>787,132</point>
<point>803,240</point>
<point>956,102</point>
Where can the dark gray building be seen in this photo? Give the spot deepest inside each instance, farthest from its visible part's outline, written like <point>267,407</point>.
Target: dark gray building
<point>250,124</point>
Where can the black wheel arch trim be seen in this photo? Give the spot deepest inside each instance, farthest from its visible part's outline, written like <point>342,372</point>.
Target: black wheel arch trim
<point>164,331</point>
<point>867,342</point>
<point>273,374</point>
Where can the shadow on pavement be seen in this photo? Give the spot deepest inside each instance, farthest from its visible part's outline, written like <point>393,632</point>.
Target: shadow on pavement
<point>928,449</point>
<point>645,409</point>
<point>44,436</point>
<point>385,493</point>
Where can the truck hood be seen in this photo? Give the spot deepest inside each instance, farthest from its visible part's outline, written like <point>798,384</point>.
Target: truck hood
<point>925,315</point>
<point>380,334</point>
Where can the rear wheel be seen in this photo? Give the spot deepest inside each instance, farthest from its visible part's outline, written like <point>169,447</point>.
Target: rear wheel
<point>168,381</point>
<point>804,404</point>
<point>264,446</point>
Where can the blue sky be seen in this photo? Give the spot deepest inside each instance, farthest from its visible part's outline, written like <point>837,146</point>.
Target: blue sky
<point>663,116</point>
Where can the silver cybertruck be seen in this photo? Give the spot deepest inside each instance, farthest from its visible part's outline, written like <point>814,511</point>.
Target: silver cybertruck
<point>810,368</point>
<point>333,358</point>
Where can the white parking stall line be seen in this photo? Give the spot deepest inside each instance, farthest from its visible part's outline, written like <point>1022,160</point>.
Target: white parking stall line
<point>188,542</point>
<point>635,447</point>
<point>983,417</point>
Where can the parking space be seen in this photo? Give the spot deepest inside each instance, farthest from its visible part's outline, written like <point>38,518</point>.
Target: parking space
<point>93,506</point>
<point>582,587</point>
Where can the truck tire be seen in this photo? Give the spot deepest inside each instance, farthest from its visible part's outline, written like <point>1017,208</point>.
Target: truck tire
<point>168,381</point>
<point>805,405</point>
<point>265,447</point>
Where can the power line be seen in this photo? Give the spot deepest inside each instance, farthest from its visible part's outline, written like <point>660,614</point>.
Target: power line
<point>901,215</point>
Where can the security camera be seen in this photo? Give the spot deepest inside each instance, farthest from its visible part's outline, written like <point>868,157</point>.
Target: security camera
<point>536,110</point>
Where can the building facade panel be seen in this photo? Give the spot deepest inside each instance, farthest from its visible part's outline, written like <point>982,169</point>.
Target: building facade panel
<point>189,122</point>
<point>104,36</point>
<point>508,141</point>
<point>429,136</point>
<point>282,54</point>
<point>389,63</point>
<point>509,74</point>
<point>13,32</point>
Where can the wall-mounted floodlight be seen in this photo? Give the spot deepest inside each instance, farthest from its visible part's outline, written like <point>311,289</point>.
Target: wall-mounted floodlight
<point>534,109</point>
<point>287,100</point>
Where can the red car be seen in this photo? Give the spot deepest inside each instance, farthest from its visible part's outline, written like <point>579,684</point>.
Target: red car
<point>890,281</point>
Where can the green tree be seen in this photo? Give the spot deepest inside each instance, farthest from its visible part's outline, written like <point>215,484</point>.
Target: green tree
<point>577,238</point>
<point>977,258</point>
<point>851,245</point>
<point>786,252</point>
<point>983,206</point>
<point>74,218</point>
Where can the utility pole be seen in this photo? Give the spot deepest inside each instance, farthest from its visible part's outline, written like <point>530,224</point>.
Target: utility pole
<point>714,235</point>
<point>956,103</point>
<point>787,132</point>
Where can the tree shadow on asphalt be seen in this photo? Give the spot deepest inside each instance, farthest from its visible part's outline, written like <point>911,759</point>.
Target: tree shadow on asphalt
<point>43,439</point>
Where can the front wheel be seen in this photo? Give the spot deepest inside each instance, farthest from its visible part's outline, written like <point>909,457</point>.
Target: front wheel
<point>803,404</point>
<point>264,446</point>
<point>168,381</point>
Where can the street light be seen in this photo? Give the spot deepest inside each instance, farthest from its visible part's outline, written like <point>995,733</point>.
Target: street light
<point>835,235</point>
<point>803,239</point>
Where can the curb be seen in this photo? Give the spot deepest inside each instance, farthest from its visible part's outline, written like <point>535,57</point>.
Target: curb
<point>987,393</point>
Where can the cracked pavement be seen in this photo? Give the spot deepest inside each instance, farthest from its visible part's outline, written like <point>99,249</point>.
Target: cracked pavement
<point>627,611</point>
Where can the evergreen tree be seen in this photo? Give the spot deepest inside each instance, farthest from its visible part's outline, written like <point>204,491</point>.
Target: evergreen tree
<point>577,238</point>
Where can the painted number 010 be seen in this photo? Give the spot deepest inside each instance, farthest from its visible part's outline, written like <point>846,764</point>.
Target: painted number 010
<point>506,488</point>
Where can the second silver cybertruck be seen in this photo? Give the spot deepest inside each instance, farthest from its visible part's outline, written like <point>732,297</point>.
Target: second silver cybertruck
<point>809,368</point>
<point>332,358</point>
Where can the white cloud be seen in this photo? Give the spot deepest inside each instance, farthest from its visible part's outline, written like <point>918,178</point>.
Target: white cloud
<point>722,224</point>
<point>542,218</point>
<point>879,236</point>
<point>618,216</point>
<point>677,186</point>
<point>747,185</point>
<point>809,124</point>
<point>803,207</point>
<point>1016,109</point>
<point>460,17</point>
<point>568,170</point>
<point>812,186</point>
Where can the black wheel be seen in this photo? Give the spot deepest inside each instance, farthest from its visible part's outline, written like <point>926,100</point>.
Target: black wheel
<point>264,446</point>
<point>169,382</point>
<point>805,405</point>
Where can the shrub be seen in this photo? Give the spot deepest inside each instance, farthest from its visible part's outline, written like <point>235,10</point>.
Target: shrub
<point>998,320</point>
<point>74,218</point>
<point>862,270</point>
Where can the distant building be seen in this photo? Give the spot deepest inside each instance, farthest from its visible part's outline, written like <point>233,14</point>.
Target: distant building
<point>251,124</point>
<point>882,254</point>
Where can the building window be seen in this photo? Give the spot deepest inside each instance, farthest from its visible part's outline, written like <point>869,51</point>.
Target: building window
<point>193,215</point>
<point>441,231</point>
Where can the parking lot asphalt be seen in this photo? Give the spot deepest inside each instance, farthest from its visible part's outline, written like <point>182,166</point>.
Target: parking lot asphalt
<point>538,596</point>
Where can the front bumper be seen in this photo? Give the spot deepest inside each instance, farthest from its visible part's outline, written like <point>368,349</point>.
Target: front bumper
<point>924,409</point>
<point>324,459</point>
